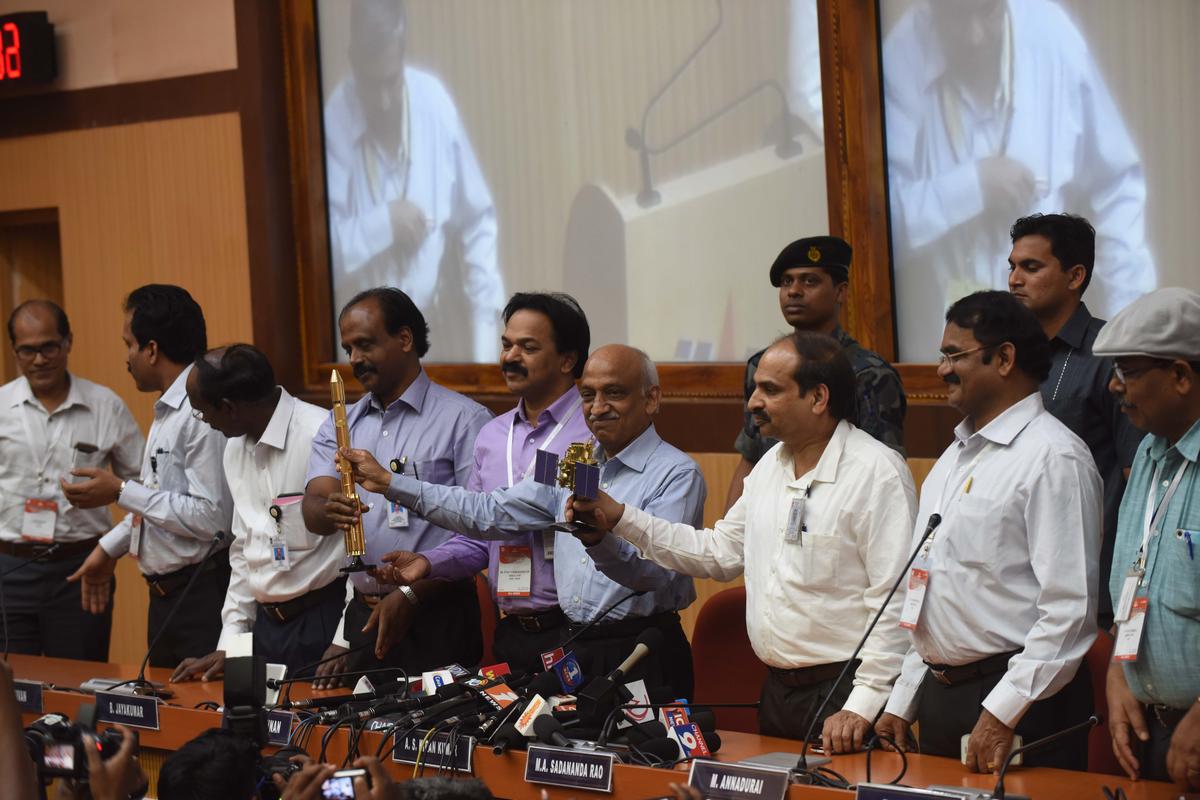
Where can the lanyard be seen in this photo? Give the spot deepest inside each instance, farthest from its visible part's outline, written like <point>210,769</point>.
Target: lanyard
<point>512,480</point>
<point>1153,518</point>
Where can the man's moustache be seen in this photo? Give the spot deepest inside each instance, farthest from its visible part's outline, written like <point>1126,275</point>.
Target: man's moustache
<point>514,369</point>
<point>760,418</point>
<point>952,379</point>
<point>604,418</point>
<point>361,370</point>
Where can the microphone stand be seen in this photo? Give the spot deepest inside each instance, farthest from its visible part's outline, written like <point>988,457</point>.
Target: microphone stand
<point>42,556</point>
<point>934,521</point>
<point>998,791</point>
<point>587,626</point>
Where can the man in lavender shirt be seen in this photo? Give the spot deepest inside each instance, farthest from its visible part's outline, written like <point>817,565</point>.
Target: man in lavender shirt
<point>432,429</point>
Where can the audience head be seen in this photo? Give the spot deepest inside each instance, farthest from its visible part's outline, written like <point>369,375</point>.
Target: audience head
<point>1051,262</point>
<point>229,387</point>
<point>994,352</point>
<point>811,275</point>
<point>1155,347</point>
<point>40,334</point>
<point>443,789</point>
<point>216,765</point>
<point>620,395</point>
<point>384,335</point>
<point>164,331</point>
<point>803,386</point>
<point>544,345</point>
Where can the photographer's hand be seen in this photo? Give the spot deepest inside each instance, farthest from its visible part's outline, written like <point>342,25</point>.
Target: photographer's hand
<point>118,777</point>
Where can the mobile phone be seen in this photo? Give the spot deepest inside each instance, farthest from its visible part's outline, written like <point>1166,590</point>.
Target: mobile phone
<point>341,785</point>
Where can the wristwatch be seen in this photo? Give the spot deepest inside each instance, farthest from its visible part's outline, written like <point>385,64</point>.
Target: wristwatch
<point>410,595</point>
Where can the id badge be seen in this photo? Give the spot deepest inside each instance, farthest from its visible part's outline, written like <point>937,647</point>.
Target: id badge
<point>1128,590</point>
<point>514,572</point>
<point>548,545</point>
<point>1129,632</point>
<point>280,559</point>
<point>795,521</point>
<point>37,525</point>
<point>918,583</point>
<point>397,515</point>
<point>135,535</point>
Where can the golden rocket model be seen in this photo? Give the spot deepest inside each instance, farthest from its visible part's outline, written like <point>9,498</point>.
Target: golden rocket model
<point>356,542</point>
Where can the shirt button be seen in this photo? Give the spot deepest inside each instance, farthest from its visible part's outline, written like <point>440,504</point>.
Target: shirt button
<point>385,433</point>
<point>575,599</point>
<point>1166,484</point>
<point>604,486</point>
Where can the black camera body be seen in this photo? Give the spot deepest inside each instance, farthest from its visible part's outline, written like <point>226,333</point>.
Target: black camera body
<point>56,745</point>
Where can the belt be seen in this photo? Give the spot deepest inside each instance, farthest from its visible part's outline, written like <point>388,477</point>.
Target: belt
<point>34,549</point>
<point>622,628</point>
<point>1168,716</point>
<point>952,676</point>
<point>808,676</point>
<point>290,609</point>
<point>164,585</point>
<point>538,621</point>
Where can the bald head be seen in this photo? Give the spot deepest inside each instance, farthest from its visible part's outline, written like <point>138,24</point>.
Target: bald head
<point>620,395</point>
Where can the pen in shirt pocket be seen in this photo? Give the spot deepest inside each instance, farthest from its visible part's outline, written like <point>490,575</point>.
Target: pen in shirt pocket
<point>1187,537</point>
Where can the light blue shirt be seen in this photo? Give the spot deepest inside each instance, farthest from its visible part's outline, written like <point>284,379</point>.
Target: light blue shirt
<point>429,425</point>
<point>648,473</point>
<point>1166,669</point>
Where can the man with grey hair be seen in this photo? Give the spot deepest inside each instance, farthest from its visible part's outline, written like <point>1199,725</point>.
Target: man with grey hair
<point>594,581</point>
<point>1152,686</point>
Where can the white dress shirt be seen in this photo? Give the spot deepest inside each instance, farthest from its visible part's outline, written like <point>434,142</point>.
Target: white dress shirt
<point>258,473</point>
<point>1014,562</point>
<point>191,503</point>
<point>37,449</point>
<point>808,602</point>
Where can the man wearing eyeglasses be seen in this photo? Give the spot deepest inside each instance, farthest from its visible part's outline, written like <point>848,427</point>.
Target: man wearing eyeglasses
<point>1049,269</point>
<point>52,423</point>
<point>1153,683</point>
<point>1001,601</point>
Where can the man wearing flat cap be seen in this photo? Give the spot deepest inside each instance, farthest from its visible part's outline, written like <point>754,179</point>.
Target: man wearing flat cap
<point>812,276</point>
<point>1154,680</point>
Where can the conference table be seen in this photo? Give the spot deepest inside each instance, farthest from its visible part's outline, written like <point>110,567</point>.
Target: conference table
<point>180,719</point>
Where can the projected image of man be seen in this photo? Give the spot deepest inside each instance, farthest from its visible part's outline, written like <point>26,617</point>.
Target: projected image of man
<point>408,204</point>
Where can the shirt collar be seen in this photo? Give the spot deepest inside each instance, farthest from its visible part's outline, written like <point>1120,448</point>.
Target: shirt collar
<point>176,393</point>
<point>24,394</point>
<point>275,434</point>
<point>1076,327</point>
<point>637,453</point>
<point>1188,446</point>
<point>413,396</point>
<point>557,410</point>
<point>1004,428</point>
<point>827,465</point>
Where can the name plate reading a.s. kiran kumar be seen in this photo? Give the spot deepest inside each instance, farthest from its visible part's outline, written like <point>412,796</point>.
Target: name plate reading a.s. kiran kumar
<point>575,769</point>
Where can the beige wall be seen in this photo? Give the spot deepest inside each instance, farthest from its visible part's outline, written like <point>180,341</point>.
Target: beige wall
<point>152,202</point>
<point>103,42</point>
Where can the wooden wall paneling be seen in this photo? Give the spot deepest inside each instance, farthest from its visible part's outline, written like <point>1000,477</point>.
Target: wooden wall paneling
<point>30,267</point>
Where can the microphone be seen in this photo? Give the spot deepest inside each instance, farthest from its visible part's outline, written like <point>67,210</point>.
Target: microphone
<point>42,556</point>
<point>588,626</point>
<point>699,717</point>
<point>998,791</point>
<point>549,730</point>
<point>507,738</point>
<point>448,692</point>
<point>383,690</point>
<point>595,699</point>
<point>140,684</point>
<point>665,749</point>
<point>930,527</point>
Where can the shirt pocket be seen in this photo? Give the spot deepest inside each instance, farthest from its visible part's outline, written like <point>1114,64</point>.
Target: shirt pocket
<point>436,470</point>
<point>819,556</point>
<point>1180,578</point>
<point>974,537</point>
<point>295,533</point>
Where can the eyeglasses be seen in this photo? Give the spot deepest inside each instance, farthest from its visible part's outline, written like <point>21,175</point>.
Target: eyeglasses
<point>952,358</point>
<point>1123,374</point>
<point>49,350</point>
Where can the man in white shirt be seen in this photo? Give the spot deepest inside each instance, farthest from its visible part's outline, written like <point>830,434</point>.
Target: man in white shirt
<point>180,502</point>
<point>821,532</point>
<point>1002,601</point>
<point>284,584</point>
<point>405,190</point>
<point>53,422</point>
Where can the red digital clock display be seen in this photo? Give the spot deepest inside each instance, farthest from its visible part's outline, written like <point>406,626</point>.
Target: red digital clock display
<point>27,49</point>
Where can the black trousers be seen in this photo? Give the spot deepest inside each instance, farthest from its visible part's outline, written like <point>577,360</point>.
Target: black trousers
<point>445,631</point>
<point>947,713</point>
<point>787,711</point>
<point>196,627</point>
<point>43,612</point>
<point>1152,755</point>
<point>301,640</point>
<point>603,647</point>
<point>521,649</point>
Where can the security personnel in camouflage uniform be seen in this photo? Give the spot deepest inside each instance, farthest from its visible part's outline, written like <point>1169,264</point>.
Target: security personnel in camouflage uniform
<point>812,276</point>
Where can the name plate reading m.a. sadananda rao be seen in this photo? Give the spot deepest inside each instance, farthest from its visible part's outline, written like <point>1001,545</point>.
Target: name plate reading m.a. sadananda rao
<point>437,751</point>
<point>125,709</point>
<point>29,696</point>
<point>575,769</point>
<point>720,781</point>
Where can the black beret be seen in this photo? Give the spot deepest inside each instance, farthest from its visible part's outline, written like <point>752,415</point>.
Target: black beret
<point>828,252</point>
